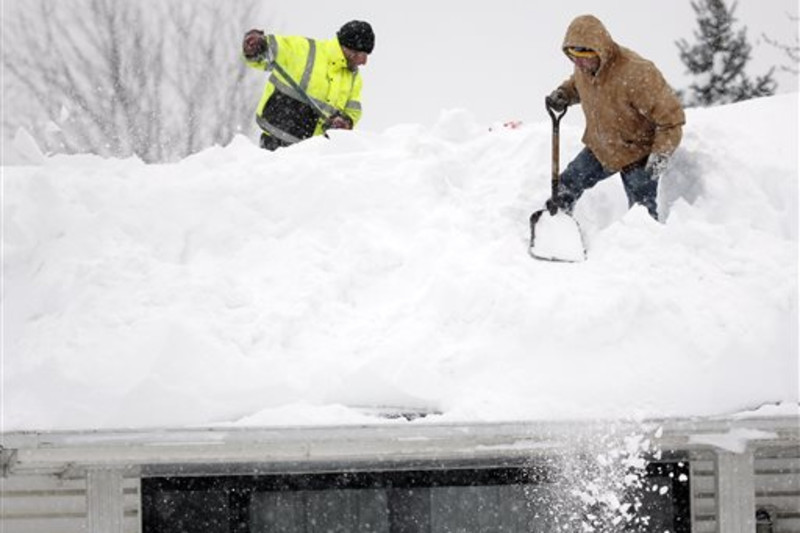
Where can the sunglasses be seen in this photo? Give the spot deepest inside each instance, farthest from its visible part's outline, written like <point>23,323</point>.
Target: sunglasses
<point>580,51</point>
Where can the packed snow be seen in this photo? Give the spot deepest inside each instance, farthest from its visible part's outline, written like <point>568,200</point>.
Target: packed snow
<point>556,237</point>
<point>373,271</point>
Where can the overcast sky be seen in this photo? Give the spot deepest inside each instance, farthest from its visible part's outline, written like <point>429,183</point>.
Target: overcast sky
<point>499,58</point>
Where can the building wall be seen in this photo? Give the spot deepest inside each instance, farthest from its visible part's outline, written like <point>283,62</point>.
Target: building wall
<point>704,496</point>
<point>777,478</point>
<point>53,504</point>
<point>49,504</point>
<point>777,471</point>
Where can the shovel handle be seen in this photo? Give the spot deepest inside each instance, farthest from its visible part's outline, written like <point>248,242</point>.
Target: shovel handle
<point>555,117</point>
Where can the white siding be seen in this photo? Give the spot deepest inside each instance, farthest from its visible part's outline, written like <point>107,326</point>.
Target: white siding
<point>778,486</point>
<point>703,479</point>
<point>48,504</point>
<point>777,481</point>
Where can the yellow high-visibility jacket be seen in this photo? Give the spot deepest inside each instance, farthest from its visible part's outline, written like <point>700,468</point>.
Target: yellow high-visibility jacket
<point>320,69</point>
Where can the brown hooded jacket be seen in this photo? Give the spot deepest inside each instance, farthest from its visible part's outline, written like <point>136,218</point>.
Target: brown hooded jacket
<point>630,109</point>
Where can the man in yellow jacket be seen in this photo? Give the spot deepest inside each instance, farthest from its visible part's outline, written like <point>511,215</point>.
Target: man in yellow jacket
<point>314,85</point>
<point>634,119</point>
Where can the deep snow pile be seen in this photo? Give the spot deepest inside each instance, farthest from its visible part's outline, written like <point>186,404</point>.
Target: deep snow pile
<point>391,269</point>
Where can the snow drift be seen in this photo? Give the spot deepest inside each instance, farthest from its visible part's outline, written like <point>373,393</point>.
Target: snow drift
<point>391,270</point>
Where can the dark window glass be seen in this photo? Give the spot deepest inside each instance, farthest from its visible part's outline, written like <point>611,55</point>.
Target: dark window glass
<point>431,501</point>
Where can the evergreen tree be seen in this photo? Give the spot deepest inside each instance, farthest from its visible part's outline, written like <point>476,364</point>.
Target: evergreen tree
<point>719,58</point>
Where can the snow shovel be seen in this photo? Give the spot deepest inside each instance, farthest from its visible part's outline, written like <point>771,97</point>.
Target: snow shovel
<point>555,235</point>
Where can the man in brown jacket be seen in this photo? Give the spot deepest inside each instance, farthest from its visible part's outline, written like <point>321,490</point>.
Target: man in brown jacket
<point>633,118</point>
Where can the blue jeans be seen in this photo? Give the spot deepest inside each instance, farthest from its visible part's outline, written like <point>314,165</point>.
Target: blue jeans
<point>585,171</point>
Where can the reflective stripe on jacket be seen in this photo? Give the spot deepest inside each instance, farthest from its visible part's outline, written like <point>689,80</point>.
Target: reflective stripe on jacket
<point>630,109</point>
<point>320,69</point>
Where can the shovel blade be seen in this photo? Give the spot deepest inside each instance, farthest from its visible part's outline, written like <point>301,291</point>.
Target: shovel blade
<point>556,237</point>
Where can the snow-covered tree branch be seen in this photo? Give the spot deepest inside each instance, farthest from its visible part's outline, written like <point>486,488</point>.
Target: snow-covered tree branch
<point>792,50</point>
<point>154,79</point>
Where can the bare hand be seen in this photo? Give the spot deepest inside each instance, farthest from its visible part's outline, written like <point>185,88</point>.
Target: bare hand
<point>339,122</point>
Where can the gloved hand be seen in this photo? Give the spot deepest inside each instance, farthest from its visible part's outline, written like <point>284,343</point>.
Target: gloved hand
<point>254,45</point>
<point>656,165</point>
<point>338,122</point>
<point>562,201</point>
<point>552,205</point>
<point>557,100</point>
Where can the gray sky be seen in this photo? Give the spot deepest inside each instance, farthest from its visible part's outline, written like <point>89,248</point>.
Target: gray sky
<point>499,58</point>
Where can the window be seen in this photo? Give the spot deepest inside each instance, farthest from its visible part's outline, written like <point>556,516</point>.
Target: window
<point>509,500</point>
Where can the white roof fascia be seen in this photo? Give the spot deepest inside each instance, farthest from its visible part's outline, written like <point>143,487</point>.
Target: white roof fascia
<point>391,445</point>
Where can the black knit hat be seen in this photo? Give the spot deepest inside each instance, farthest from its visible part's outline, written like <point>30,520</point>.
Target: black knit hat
<point>357,35</point>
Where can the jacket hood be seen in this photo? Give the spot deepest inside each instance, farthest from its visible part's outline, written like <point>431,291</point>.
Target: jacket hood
<point>587,31</point>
